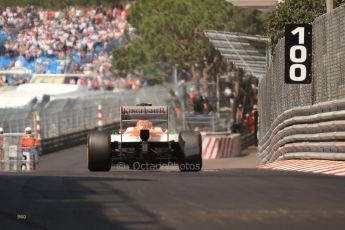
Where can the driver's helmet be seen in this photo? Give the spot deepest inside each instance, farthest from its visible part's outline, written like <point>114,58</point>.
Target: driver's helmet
<point>144,124</point>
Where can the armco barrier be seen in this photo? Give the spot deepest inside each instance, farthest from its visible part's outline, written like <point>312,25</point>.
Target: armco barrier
<point>220,146</point>
<point>317,134</point>
<point>312,114</point>
<point>248,140</point>
<point>70,140</point>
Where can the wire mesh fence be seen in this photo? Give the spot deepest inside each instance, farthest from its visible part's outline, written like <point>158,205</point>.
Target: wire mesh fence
<point>199,104</point>
<point>328,72</point>
<point>15,155</point>
<point>70,115</point>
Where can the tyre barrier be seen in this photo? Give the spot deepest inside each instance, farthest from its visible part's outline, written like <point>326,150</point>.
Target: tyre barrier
<point>220,146</point>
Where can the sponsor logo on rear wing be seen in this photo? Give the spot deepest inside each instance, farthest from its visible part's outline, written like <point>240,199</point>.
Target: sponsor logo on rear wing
<point>144,112</point>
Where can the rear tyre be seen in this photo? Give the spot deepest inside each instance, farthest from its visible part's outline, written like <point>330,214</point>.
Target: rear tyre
<point>190,145</point>
<point>99,152</point>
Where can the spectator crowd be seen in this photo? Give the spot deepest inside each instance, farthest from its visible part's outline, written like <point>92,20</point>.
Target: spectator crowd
<point>74,40</point>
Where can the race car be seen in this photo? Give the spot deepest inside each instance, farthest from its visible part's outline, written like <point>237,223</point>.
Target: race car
<point>144,144</point>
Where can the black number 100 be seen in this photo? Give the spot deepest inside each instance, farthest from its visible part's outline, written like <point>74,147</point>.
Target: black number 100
<point>298,54</point>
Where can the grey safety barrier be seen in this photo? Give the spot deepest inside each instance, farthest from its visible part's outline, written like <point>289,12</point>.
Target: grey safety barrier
<point>303,111</point>
<point>70,140</point>
<point>331,130</point>
<point>312,155</point>
<point>321,125</point>
<point>248,140</point>
<point>286,109</point>
<point>310,147</point>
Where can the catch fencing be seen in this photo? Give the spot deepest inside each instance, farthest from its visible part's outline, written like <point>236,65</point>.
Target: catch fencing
<point>202,115</point>
<point>328,83</point>
<point>15,157</point>
<point>71,118</point>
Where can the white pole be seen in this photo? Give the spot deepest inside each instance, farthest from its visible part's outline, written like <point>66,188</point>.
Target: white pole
<point>218,96</point>
<point>330,4</point>
<point>175,74</point>
<point>100,115</point>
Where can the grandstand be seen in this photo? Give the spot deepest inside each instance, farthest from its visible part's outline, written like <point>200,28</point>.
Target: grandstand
<point>69,41</point>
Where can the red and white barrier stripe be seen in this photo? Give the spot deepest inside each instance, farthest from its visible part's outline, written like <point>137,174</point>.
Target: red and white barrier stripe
<point>220,146</point>
<point>37,125</point>
<point>100,114</point>
<point>312,166</point>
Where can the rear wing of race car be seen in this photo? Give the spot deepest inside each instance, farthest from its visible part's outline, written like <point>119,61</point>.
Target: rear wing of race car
<point>144,112</point>
<point>133,113</point>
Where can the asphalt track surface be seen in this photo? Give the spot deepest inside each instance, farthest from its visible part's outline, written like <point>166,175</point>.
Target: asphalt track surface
<point>64,195</point>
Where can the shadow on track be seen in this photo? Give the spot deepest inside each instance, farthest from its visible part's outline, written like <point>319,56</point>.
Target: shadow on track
<point>54,202</point>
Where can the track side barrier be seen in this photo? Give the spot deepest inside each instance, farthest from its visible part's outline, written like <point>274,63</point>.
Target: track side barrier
<point>220,145</point>
<point>54,144</point>
<point>248,140</point>
<point>310,132</point>
<point>306,121</point>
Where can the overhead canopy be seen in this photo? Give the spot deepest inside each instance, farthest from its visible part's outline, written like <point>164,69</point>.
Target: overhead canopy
<point>245,51</point>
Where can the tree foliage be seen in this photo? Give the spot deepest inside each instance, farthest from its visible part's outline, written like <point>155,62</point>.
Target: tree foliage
<point>172,31</point>
<point>293,11</point>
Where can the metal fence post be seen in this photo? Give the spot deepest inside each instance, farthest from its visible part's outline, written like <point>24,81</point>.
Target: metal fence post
<point>213,124</point>
<point>37,124</point>
<point>330,5</point>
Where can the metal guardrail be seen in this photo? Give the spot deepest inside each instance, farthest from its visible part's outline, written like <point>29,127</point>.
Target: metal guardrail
<point>318,133</point>
<point>54,144</point>
<point>248,140</point>
<point>304,114</point>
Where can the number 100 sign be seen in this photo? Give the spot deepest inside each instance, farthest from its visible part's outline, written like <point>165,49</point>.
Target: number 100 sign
<point>298,53</point>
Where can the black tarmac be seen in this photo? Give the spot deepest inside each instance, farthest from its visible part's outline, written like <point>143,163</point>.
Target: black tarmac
<point>64,195</point>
